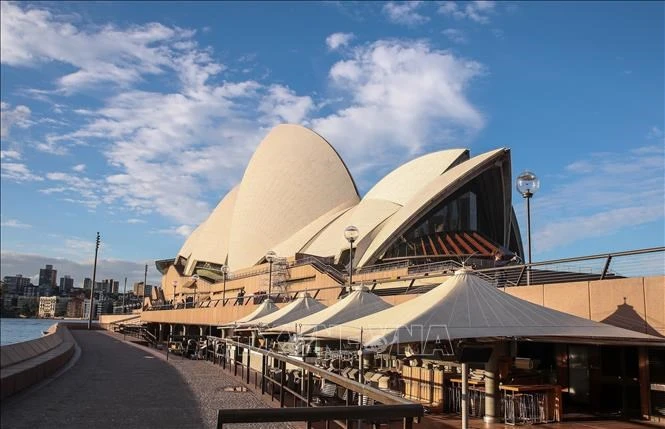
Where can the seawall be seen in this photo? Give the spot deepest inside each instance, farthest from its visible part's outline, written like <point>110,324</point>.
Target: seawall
<point>26,363</point>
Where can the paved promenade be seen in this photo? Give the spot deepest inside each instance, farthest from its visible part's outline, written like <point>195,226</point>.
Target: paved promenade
<point>117,386</point>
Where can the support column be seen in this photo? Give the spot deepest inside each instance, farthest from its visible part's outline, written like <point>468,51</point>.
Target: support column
<point>644,378</point>
<point>492,396</point>
<point>465,396</point>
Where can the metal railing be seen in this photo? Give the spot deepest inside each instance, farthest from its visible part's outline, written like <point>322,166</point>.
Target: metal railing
<point>296,387</point>
<point>634,263</point>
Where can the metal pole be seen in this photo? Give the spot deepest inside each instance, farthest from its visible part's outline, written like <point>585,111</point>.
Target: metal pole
<point>350,264</point>
<point>528,227</point>
<point>92,288</point>
<point>465,396</point>
<point>145,279</point>
<point>124,294</point>
<point>360,369</point>
<point>270,280</point>
<point>224,290</point>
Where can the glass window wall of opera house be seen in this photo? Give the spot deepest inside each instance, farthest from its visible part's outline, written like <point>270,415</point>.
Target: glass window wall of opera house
<point>427,263</point>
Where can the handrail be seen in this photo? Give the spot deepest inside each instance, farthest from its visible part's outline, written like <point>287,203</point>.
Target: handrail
<point>405,412</point>
<point>513,275</point>
<point>363,389</point>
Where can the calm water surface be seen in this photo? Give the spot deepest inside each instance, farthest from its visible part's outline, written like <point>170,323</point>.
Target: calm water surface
<point>18,330</point>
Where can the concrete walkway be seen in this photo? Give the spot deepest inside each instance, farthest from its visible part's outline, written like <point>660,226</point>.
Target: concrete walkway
<point>113,386</point>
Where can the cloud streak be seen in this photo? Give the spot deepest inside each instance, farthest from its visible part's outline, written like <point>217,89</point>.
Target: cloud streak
<point>624,190</point>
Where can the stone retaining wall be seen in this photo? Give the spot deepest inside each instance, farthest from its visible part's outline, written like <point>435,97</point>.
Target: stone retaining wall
<point>24,364</point>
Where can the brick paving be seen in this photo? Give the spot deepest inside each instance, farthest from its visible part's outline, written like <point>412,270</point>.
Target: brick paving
<point>116,386</point>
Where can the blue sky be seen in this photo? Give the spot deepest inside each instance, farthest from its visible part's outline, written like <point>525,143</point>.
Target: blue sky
<point>134,119</point>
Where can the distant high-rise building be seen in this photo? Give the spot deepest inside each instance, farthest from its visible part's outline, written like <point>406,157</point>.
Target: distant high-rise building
<point>75,307</point>
<point>52,306</point>
<point>16,284</point>
<point>48,277</point>
<point>98,308</point>
<point>110,286</point>
<point>66,284</point>
<point>142,290</point>
<point>87,283</point>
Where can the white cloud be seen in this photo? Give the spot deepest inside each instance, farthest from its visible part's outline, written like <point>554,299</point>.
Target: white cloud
<point>182,230</point>
<point>79,168</point>
<point>135,221</point>
<point>655,133</point>
<point>454,35</point>
<point>87,192</point>
<point>18,172</point>
<point>19,116</point>
<point>31,37</point>
<point>13,223</point>
<point>51,146</point>
<point>403,98</point>
<point>281,104</point>
<point>10,154</point>
<point>477,11</point>
<point>405,12</point>
<point>619,190</point>
<point>338,40</point>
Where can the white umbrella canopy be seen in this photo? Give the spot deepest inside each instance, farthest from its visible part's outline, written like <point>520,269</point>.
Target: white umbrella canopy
<point>357,304</point>
<point>266,307</point>
<point>297,309</point>
<point>466,307</point>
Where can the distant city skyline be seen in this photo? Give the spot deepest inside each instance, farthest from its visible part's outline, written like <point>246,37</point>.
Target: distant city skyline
<point>134,119</point>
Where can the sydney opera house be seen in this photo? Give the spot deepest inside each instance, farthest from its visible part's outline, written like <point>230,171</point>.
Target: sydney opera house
<point>295,249</point>
<point>297,197</point>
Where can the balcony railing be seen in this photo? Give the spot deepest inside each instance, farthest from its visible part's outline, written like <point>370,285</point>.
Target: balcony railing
<point>634,263</point>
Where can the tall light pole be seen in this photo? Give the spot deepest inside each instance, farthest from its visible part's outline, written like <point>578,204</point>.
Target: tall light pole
<point>145,280</point>
<point>270,257</point>
<point>92,288</point>
<point>351,234</point>
<point>528,184</point>
<point>124,294</point>
<point>175,283</point>
<point>196,288</point>
<point>225,271</point>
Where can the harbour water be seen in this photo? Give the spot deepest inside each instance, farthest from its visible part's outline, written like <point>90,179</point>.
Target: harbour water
<point>18,330</point>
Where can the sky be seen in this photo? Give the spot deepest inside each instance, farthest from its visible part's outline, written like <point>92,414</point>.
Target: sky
<point>135,119</point>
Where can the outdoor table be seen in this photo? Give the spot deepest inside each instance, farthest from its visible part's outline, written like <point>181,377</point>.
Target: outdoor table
<point>528,404</point>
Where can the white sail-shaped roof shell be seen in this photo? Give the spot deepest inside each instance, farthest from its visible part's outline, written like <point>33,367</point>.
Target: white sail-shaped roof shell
<point>299,308</point>
<point>465,307</point>
<point>293,178</point>
<point>265,308</point>
<point>212,236</point>
<point>403,183</point>
<point>357,304</point>
<point>426,198</point>
<point>382,201</point>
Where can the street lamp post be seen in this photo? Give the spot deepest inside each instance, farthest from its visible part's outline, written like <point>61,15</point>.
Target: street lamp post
<point>145,279</point>
<point>528,184</point>
<point>92,288</point>
<point>124,294</point>
<point>196,288</point>
<point>175,283</point>
<point>270,257</point>
<point>351,234</point>
<point>225,271</point>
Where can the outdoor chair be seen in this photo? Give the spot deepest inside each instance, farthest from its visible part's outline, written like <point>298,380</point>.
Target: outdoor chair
<point>326,394</point>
